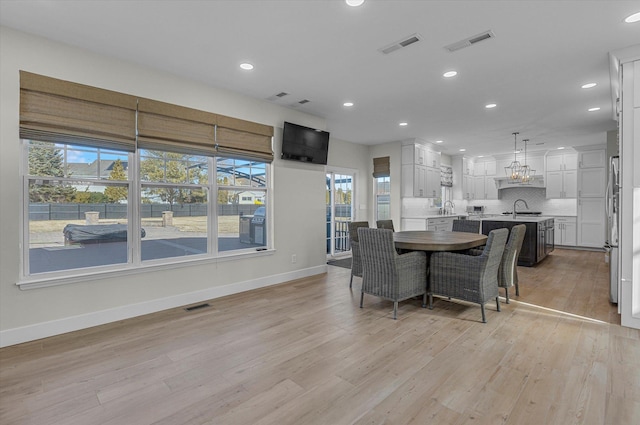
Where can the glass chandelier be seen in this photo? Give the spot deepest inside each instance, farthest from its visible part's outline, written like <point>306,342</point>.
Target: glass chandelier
<point>514,169</point>
<point>526,173</point>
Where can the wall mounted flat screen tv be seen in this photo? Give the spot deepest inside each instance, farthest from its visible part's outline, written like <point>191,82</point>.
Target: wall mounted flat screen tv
<point>304,144</point>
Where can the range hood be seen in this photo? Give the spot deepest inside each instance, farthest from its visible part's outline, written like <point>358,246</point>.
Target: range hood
<point>506,183</point>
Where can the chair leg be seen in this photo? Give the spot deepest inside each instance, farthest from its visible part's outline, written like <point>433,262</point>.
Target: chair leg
<point>498,303</point>
<point>361,298</point>
<point>484,317</point>
<point>351,281</point>
<point>395,310</point>
<point>424,300</point>
<point>430,301</point>
<point>517,290</point>
<point>506,294</point>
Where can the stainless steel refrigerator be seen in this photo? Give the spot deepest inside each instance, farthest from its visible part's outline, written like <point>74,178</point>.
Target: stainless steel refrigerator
<point>613,229</point>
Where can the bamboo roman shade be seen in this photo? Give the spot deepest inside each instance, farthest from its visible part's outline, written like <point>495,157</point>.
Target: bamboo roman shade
<point>63,112</point>
<point>59,111</point>
<point>176,128</point>
<point>381,167</point>
<point>245,139</point>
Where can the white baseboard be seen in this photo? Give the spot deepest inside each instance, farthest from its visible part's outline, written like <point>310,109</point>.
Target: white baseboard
<point>83,321</point>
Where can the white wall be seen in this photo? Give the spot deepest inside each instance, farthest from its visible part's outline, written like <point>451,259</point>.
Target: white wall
<point>299,199</point>
<point>351,156</point>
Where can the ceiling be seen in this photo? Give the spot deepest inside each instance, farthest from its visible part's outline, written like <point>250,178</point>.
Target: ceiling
<point>328,53</point>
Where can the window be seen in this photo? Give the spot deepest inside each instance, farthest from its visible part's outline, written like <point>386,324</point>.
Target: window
<point>113,181</point>
<point>383,198</point>
<point>77,203</point>
<point>241,195</point>
<point>174,202</point>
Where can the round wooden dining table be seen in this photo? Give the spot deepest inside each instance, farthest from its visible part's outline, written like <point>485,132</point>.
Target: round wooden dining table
<point>424,240</point>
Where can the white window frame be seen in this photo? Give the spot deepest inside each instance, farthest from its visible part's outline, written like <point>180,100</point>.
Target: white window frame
<point>134,264</point>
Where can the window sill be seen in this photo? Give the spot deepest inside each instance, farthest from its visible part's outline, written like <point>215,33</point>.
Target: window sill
<point>45,282</point>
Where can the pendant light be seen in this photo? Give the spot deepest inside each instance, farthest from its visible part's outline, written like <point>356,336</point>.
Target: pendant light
<point>513,170</point>
<point>526,173</point>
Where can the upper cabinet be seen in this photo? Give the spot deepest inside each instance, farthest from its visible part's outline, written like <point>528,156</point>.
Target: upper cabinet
<point>561,176</point>
<point>562,162</point>
<point>420,171</point>
<point>592,159</point>
<point>484,168</point>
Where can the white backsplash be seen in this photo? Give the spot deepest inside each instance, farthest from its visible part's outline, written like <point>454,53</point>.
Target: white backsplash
<point>536,199</point>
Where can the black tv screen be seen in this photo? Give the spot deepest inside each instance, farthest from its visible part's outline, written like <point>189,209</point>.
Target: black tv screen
<point>304,144</point>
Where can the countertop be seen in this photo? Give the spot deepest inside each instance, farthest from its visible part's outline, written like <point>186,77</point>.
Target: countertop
<point>427,216</point>
<point>526,218</point>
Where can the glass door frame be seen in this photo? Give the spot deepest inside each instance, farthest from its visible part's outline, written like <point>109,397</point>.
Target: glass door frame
<point>330,176</point>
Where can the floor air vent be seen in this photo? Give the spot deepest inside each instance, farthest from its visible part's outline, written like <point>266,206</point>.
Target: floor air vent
<point>407,41</point>
<point>470,41</point>
<point>197,307</point>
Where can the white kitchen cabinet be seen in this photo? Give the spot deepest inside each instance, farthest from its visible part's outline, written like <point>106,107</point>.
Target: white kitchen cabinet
<point>467,167</point>
<point>592,183</point>
<point>420,179</point>
<point>432,158</point>
<point>562,184</point>
<point>592,159</point>
<point>414,181</point>
<point>443,224</point>
<point>591,222</point>
<point>413,224</point>
<point>433,186</point>
<point>565,231</point>
<point>414,154</point>
<point>468,187</point>
<point>562,162</point>
<point>485,188</point>
<point>484,168</point>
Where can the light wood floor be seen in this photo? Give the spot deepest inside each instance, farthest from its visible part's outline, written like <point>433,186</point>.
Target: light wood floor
<point>304,353</point>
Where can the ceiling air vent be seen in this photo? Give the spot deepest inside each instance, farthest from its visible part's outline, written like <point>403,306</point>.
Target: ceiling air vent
<point>407,41</point>
<point>470,41</point>
<point>277,96</point>
<point>303,101</point>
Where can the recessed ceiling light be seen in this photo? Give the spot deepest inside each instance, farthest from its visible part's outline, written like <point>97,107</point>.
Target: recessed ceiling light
<point>450,74</point>
<point>354,3</point>
<point>246,66</point>
<point>480,156</point>
<point>632,18</point>
<point>403,124</point>
<point>561,147</point>
<point>593,109</point>
<point>347,104</point>
<point>439,141</point>
<point>462,150</point>
<point>588,85</point>
<point>490,105</point>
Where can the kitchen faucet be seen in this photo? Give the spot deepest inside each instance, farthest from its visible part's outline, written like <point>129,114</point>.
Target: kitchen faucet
<point>514,206</point>
<point>452,207</point>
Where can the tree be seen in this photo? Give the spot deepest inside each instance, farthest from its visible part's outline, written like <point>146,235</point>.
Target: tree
<point>159,166</point>
<point>116,194</point>
<point>47,161</point>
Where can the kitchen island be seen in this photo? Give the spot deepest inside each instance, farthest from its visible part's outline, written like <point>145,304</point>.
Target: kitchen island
<point>538,239</point>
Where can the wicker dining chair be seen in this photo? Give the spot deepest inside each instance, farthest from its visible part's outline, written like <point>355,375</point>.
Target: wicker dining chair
<point>385,224</point>
<point>508,271</point>
<point>468,277</point>
<point>387,274</point>
<point>469,226</point>
<point>356,261</point>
